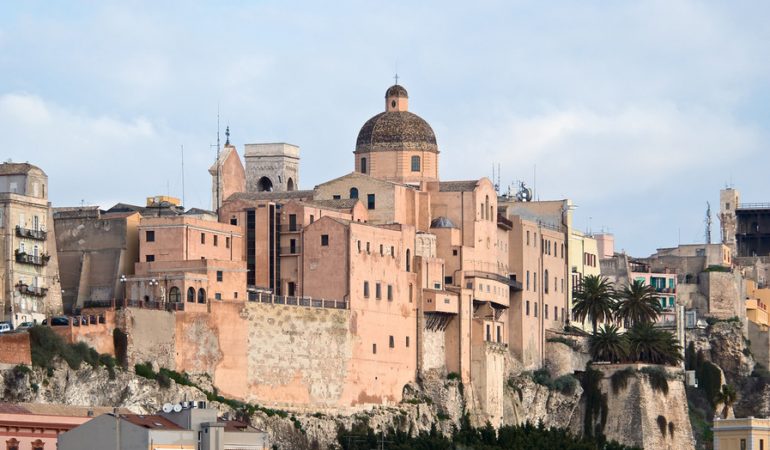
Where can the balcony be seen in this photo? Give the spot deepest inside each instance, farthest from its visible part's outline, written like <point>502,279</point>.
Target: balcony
<point>515,285</point>
<point>26,258</point>
<point>440,301</point>
<point>665,290</point>
<point>34,291</point>
<point>40,235</point>
<point>289,228</point>
<point>290,251</point>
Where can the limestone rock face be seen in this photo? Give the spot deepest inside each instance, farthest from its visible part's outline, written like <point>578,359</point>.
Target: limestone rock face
<point>527,401</point>
<point>723,344</point>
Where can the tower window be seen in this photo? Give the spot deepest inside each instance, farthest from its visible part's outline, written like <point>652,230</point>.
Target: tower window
<point>392,103</point>
<point>363,165</point>
<point>265,185</point>
<point>415,163</point>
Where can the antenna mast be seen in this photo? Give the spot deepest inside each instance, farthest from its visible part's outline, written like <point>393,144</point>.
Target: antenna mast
<point>218,170</point>
<point>708,223</point>
<point>183,202</point>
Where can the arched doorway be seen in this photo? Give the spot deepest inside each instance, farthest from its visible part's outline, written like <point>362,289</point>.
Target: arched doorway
<point>174,295</point>
<point>264,185</point>
<point>290,185</point>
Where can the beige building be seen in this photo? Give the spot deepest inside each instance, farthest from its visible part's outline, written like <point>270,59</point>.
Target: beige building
<point>29,268</point>
<point>741,434</point>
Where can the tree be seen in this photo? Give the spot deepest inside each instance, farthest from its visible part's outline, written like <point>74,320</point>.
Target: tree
<point>637,303</point>
<point>594,299</point>
<point>651,345</point>
<point>727,397</point>
<point>607,344</point>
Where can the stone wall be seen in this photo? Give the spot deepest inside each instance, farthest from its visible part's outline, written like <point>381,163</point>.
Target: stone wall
<point>724,292</point>
<point>561,358</point>
<point>634,411</point>
<point>433,351</point>
<point>759,339</point>
<point>151,336</point>
<point>15,348</point>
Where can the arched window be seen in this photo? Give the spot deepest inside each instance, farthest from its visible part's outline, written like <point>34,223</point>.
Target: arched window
<point>545,281</point>
<point>264,185</point>
<point>191,294</point>
<point>363,165</point>
<point>353,192</point>
<point>408,260</point>
<point>290,185</point>
<point>415,163</point>
<point>201,295</point>
<point>174,295</point>
<point>486,208</point>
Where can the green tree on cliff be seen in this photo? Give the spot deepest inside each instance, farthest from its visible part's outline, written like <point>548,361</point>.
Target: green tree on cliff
<point>594,299</point>
<point>727,397</point>
<point>636,304</point>
<point>651,345</point>
<point>607,344</point>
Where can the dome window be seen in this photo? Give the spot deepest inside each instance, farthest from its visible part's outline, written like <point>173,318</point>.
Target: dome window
<point>363,165</point>
<point>392,103</point>
<point>415,163</point>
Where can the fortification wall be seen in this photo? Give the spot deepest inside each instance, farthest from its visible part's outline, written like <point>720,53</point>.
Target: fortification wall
<point>15,348</point>
<point>151,336</point>
<point>433,351</point>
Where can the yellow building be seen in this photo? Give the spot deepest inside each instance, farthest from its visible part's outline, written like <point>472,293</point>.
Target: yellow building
<point>757,300</point>
<point>741,434</point>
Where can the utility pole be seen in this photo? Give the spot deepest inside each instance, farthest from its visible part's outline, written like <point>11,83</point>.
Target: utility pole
<point>708,223</point>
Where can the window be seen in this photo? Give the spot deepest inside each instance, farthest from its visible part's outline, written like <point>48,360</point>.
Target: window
<point>203,238</point>
<point>382,250</point>
<point>489,334</point>
<point>233,221</point>
<point>499,334</point>
<point>353,192</point>
<point>415,163</point>
<point>38,445</point>
<point>367,248</point>
<point>454,252</point>
<point>149,258</point>
<point>366,289</point>
<point>555,313</point>
<point>227,242</point>
<point>370,204</point>
<point>149,236</point>
<point>374,348</point>
<point>545,310</point>
<point>545,281</point>
<point>174,295</point>
<point>411,288</point>
<point>407,341</point>
<point>535,309</point>
<point>292,246</point>
<point>218,296</point>
<point>363,170</point>
<point>216,240</point>
<point>336,197</point>
<point>292,222</point>
<point>448,280</point>
<point>219,276</point>
<point>291,288</point>
<point>527,237</point>
<point>390,292</point>
<point>312,218</point>
<point>201,295</point>
<point>324,240</point>
<point>358,243</point>
<point>743,444</point>
<point>191,294</point>
<point>12,444</point>
<point>761,444</point>
<point>534,282</point>
<point>377,291</point>
<point>235,295</point>
<point>391,342</point>
<point>527,310</point>
<point>392,252</point>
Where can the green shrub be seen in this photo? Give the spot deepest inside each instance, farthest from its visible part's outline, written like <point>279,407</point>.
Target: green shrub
<point>453,376</point>
<point>20,370</point>
<point>179,378</point>
<point>709,380</point>
<point>542,377</point>
<point>717,268</point>
<point>619,379</point>
<point>163,380</point>
<point>566,384</point>
<point>571,343</point>
<point>145,371</point>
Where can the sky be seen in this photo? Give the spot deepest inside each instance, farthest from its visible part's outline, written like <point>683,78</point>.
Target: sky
<point>638,111</point>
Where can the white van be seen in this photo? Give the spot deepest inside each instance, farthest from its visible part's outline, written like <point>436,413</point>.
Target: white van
<point>5,327</point>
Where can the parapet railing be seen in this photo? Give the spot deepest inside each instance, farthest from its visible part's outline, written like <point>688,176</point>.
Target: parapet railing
<point>297,301</point>
<point>754,206</point>
<point>152,304</point>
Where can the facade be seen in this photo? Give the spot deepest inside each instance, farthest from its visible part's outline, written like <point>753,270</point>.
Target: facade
<point>190,428</point>
<point>28,426</point>
<point>31,287</point>
<point>95,249</point>
<point>741,434</point>
<point>745,226</point>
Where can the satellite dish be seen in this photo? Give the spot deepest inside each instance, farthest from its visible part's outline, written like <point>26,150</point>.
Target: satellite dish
<point>524,194</point>
<point>168,407</point>
<point>185,405</point>
<point>177,408</point>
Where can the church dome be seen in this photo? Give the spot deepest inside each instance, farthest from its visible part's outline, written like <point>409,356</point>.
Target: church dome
<point>396,128</point>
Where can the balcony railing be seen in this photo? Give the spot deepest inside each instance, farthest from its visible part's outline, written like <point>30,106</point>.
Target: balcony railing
<point>153,304</point>
<point>665,290</point>
<point>34,291</point>
<point>297,301</point>
<point>289,228</point>
<point>286,251</point>
<point>26,258</point>
<point>31,234</point>
<point>753,206</point>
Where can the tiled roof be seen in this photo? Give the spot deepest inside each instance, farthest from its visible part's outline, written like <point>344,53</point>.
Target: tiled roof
<point>458,186</point>
<point>11,168</point>
<point>153,422</point>
<point>396,130</point>
<point>342,204</point>
<point>237,425</point>
<point>284,195</point>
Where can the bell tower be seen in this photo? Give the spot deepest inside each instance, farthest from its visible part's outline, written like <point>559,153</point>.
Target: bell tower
<point>272,167</point>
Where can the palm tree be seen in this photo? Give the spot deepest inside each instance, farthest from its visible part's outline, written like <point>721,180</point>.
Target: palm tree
<point>651,345</point>
<point>636,303</point>
<point>608,345</point>
<point>727,396</point>
<point>593,299</point>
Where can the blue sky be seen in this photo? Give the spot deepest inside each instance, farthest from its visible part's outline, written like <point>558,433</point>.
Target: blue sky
<point>638,111</point>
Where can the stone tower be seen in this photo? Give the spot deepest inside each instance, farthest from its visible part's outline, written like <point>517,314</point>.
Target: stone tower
<point>272,167</point>
<point>728,202</point>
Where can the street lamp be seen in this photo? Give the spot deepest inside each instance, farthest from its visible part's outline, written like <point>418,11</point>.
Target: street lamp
<point>153,284</point>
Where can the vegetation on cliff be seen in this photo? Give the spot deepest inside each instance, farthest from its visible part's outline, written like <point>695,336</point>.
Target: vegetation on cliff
<point>527,436</point>
<point>46,346</point>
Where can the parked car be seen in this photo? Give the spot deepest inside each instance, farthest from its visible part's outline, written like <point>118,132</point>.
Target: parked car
<point>25,326</point>
<point>5,327</point>
<point>57,321</point>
